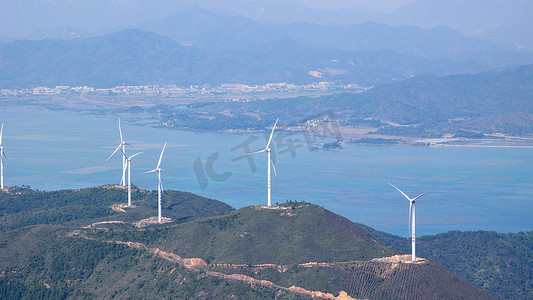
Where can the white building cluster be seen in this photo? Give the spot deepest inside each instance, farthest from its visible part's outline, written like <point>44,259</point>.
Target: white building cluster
<point>176,91</point>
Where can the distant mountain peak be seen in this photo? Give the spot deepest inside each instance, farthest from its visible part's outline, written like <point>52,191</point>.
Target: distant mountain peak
<point>134,33</point>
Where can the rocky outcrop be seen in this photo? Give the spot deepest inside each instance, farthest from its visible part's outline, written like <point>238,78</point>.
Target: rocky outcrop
<point>194,263</point>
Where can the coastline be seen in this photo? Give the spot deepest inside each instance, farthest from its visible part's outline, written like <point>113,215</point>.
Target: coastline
<point>345,134</point>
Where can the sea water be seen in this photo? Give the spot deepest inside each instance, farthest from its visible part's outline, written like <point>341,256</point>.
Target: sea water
<point>474,188</point>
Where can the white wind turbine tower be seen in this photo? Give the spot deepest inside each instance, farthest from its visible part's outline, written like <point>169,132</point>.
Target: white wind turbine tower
<point>159,185</point>
<point>411,219</point>
<point>128,165</point>
<point>121,146</point>
<point>267,150</point>
<point>2,156</point>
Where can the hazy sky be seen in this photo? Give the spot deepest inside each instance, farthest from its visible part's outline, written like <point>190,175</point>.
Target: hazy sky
<point>505,22</point>
<point>36,17</point>
<point>382,6</point>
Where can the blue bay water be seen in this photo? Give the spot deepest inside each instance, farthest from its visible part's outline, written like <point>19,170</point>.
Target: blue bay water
<point>475,188</point>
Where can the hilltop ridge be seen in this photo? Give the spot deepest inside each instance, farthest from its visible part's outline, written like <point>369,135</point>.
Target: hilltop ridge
<point>207,250</point>
<point>290,234</point>
<point>298,245</point>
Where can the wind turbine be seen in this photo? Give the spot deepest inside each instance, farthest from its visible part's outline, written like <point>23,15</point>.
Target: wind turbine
<point>267,150</point>
<point>128,164</point>
<point>159,185</point>
<point>121,146</point>
<point>2,156</point>
<point>412,218</point>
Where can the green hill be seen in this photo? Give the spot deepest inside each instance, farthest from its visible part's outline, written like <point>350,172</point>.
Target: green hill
<point>43,262</point>
<point>21,207</point>
<point>253,235</point>
<point>50,262</point>
<point>298,244</point>
<point>77,244</point>
<point>371,280</point>
<point>499,263</point>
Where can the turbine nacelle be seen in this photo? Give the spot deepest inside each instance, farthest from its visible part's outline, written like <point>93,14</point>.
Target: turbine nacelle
<point>412,200</point>
<point>130,157</point>
<point>152,171</point>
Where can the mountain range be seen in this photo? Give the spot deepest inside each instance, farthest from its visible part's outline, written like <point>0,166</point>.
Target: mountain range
<point>209,30</point>
<point>135,57</point>
<point>430,105</point>
<point>195,46</point>
<point>503,22</point>
<point>468,105</point>
<point>488,102</point>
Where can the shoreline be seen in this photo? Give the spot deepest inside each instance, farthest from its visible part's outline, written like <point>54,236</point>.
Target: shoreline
<point>348,135</point>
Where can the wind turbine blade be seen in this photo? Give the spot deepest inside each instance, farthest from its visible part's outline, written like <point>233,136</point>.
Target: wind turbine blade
<point>1,134</point>
<point>422,194</point>
<point>272,133</point>
<point>161,156</point>
<point>119,147</point>
<point>161,184</point>
<point>135,155</point>
<point>273,168</point>
<point>120,130</point>
<point>152,171</point>
<point>400,192</point>
<point>257,152</point>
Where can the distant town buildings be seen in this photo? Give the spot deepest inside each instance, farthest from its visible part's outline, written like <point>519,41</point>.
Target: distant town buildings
<point>175,91</point>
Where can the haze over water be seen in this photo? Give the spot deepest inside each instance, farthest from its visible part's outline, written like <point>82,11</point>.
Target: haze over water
<point>475,188</point>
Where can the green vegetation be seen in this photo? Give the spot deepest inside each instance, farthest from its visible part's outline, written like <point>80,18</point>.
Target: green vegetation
<point>499,263</point>
<point>42,263</point>
<point>22,206</point>
<point>11,289</point>
<point>375,141</point>
<point>299,233</point>
<point>54,262</point>
<point>57,256</point>
<point>372,280</point>
<point>260,114</point>
<point>430,106</point>
<point>252,235</point>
